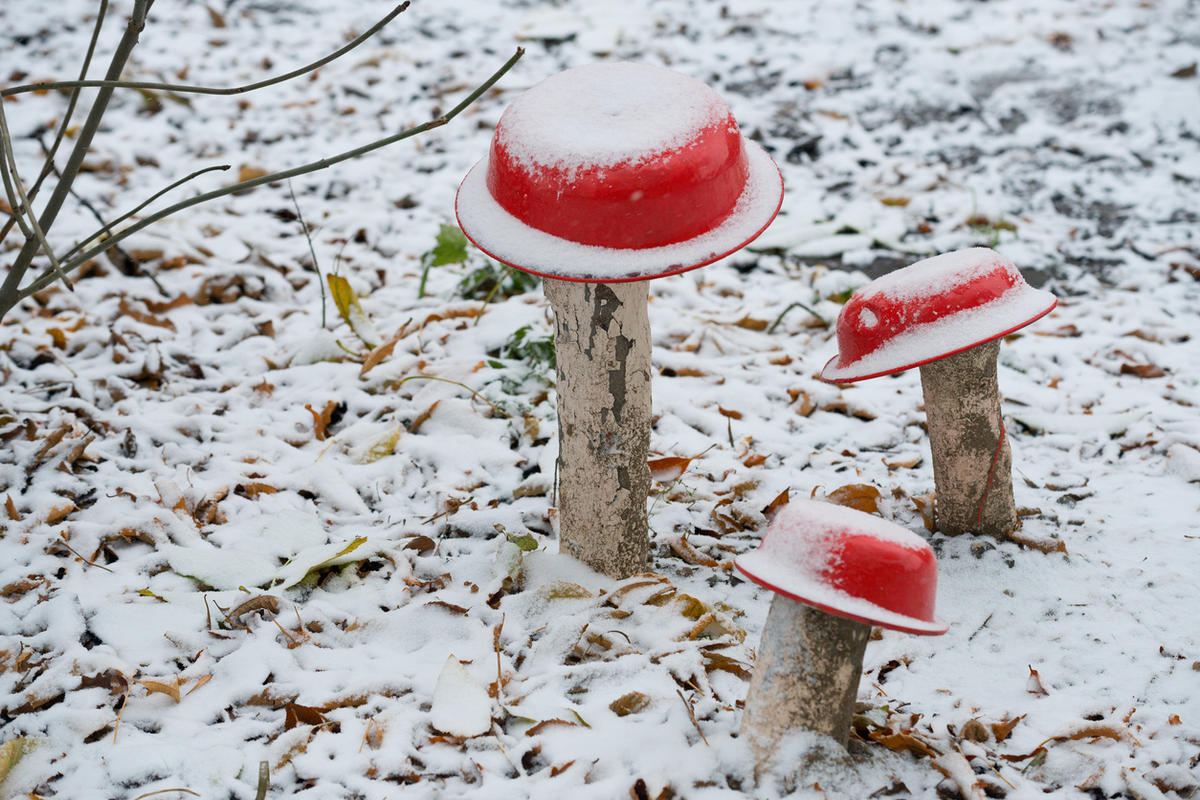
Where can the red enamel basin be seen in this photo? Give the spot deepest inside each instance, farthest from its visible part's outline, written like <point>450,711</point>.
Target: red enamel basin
<point>617,171</point>
<point>932,309</point>
<point>850,564</point>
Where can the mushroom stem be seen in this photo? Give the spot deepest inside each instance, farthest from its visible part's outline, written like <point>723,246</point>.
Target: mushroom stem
<point>602,352</point>
<point>806,676</point>
<point>972,462</point>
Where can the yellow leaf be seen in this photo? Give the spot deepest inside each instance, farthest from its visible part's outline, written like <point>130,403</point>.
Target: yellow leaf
<point>169,689</point>
<point>12,752</point>
<point>350,310</point>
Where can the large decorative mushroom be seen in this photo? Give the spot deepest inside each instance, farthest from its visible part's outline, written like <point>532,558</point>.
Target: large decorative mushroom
<point>598,179</point>
<point>835,572</point>
<point>946,315</point>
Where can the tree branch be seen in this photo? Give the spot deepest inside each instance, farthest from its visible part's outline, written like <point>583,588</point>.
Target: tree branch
<point>185,88</point>
<point>77,260</point>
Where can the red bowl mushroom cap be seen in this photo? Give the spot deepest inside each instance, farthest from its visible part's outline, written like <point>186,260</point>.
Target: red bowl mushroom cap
<point>850,564</point>
<point>617,172</point>
<point>932,309</point>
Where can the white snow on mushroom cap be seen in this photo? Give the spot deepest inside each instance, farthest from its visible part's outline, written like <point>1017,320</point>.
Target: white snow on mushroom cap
<point>805,543</point>
<point>947,336</point>
<point>607,114</point>
<point>936,274</point>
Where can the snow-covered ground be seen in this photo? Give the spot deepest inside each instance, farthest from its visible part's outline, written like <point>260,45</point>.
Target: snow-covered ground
<point>169,457</point>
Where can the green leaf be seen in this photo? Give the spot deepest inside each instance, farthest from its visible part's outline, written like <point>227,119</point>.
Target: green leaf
<point>450,247</point>
<point>525,541</point>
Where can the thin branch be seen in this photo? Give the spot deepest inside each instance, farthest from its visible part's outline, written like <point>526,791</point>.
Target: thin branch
<point>47,167</point>
<point>128,259</point>
<point>12,179</point>
<point>184,88</point>
<point>9,290</point>
<point>311,250</point>
<point>44,280</point>
<point>107,228</point>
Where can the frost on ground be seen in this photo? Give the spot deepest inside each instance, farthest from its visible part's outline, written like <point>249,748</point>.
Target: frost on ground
<point>233,534</point>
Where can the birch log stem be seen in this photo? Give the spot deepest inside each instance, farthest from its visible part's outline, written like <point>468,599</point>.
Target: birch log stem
<point>972,462</point>
<point>806,677</point>
<point>602,351</point>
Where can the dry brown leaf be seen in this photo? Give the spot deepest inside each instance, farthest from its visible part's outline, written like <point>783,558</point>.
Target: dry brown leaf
<point>422,544</point>
<point>1002,730</point>
<point>924,504</point>
<point>110,680</point>
<point>631,703</point>
<point>723,663</point>
<point>669,468</point>
<point>142,316</point>
<point>322,419</point>
<point>1034,684</point>
<point>10,508</point>
<point>974,731</point>
<point>546,723</point>
<point>203,679</point>
<point>685,550</point>
<point>726,412</point>
<point>1062,331</point>
<point>216,17</point>
<point>861,496</point>
<point>1143,370</point>
<point>903,742</point>
<point>751,324</point>
<point>779,502</point>
<point>754,459</point>
<point>1045,545</point>
<point>295,714</point>
<point>841,407</point>
<point>422,418</point>
<point>249,173</point>
<point>253,490</point>
<point>263,602</point>
<point>378,356</point>
<point>171,689</point>
<point>906,463</point>
<point>453,609</point>
<point>58,513</point>
<point>453,313</point>
<point>555,771</point>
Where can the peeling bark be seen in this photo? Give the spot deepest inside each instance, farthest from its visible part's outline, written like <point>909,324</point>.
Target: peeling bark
<point>602,351</point>
<point>972,462</point>
<point>806,676</point>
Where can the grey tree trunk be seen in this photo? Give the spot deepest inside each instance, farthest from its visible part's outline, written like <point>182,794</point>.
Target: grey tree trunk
<point>602,350</point>
<point>972,462</point>
<point>806,676</point>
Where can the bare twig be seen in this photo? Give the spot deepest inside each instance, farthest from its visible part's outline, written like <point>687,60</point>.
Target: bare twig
<point>66,118</point>
<point>10,296</point>
<point>111,84</point>
<point>311,251</point>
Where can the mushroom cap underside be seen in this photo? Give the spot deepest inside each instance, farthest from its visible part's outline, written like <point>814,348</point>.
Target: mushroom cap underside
<point>850,564</point>
<point>930,310</point>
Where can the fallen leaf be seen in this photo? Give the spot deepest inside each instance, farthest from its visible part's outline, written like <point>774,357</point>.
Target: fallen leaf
<point>631,703</point>
<point>906,463</point>
<point>263,602</point>
<point>924,504</point>
<point>295,714</point>
<point>754,460</point>
<point>422,544</point>
<point>162,687</point>
<point>422,418</point>
<point>351,310</point>
<point>546,723</point>
<point>1143,370</point>
<point>561,768</point>
<point>860,496</point>
<point>249,173</point>
<point>725,412</point>
<point>110,680</point>
<point>903,743</point>
<point>11,752</point>
<point>751,324</point>
<point>723,663</point>
<point>10,508</point>
<point>1034,684</point>
<point>779,502</point>
<point>1045,545</point>
<point>974,731</point>
<point>685,550</point>
<point>322,419</point>
<point>378,355</point>
<point>57,514</point>
<point>670,468</point>
<point>1002,730</point>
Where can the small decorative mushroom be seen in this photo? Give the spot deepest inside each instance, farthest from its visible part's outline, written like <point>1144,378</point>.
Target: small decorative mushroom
<point>835,572</point>
<point>598,179</point>
<point>946,315</point>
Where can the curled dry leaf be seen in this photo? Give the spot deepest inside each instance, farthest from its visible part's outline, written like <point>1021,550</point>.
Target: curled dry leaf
<point>1002,730</point>
<point>546,723</point>
<point>903,742</point>
<point>1034,684</point>
<point>860,496</point>
<point>169,688</point>
<point>631,703</point>
<point>295,714</point>
<point>669,468</point>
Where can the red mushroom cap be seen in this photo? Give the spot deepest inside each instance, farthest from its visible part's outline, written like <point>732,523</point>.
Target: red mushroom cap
<point>617,172</point>
<point>850,564</point>
<point>932,309</point>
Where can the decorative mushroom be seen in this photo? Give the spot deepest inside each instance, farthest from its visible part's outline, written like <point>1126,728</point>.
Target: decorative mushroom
<point>946,315</point>
<point>835,572</point>
<point>598,179</point>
